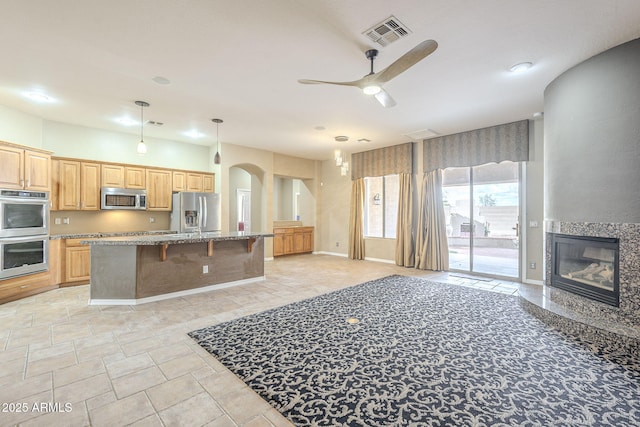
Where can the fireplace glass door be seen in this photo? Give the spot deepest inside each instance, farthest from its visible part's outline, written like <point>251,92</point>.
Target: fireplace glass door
<point>586,266</point>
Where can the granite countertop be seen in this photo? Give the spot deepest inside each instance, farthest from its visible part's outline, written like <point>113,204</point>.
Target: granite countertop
<point>98,234</point>
<point>174,239</point>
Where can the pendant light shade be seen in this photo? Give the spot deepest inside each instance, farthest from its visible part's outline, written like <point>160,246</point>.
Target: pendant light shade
<point>216,158</point>
<point>142,147</point>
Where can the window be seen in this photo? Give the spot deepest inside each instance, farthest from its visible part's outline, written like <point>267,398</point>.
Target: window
<point>381,206</point>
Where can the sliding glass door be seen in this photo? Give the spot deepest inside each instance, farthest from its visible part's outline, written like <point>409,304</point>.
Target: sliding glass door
<point>482,210</point>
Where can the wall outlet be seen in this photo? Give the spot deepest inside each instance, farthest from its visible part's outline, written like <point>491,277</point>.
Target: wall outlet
<point>533,224</point>
<point>65,220</point>
<point>205,269</point>
<point>152,219</point>
<point>57,221</point>
<point>532,265</point>
<point>337,244</point>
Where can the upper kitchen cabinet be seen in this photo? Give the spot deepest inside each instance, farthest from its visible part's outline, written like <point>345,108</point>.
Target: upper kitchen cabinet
<point>179,179</point>
<point>159,189</point>
<point>24,169</point>
<point>112,176</point>
<point>199,182</point>
<point>134,177</point>
<point>120,176</point>
<point>208,183</point>
<point>78,185</point>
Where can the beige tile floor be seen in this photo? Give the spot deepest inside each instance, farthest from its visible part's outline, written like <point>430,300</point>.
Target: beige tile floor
<point>135,365</point>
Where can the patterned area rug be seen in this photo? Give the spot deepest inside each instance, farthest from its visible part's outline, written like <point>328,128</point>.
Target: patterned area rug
<point>403,351</point>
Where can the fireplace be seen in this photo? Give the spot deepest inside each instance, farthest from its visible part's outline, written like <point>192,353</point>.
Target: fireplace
<point>586,266</point>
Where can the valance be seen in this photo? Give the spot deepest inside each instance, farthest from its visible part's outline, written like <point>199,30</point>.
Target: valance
<point>509,141</point>
<point>382,161</point>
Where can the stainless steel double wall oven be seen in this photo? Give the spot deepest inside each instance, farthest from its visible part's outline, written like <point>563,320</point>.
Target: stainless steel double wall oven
<point>24,232</point>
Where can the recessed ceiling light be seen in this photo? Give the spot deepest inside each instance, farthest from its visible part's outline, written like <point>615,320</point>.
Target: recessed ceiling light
<point>38,97</point>
<point>194,134</point>
<point>161,80</point>
<point>521,67</point>
<point>341,138</point>
<point>365,140</point>
<point>319,127</point>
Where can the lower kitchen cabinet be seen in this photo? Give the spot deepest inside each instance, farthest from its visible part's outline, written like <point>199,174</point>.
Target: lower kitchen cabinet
<point>77,262</point>
<point>24,286</point>
<point>292,240</point>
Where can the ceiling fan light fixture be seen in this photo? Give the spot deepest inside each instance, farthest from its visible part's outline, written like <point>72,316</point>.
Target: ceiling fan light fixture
<point>371,89</point>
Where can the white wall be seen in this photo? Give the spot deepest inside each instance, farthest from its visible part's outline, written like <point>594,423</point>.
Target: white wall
<point>20,128</point>
<point>67,140</point>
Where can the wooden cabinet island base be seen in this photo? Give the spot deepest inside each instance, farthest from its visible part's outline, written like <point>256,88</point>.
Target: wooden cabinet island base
<point>140,269</point>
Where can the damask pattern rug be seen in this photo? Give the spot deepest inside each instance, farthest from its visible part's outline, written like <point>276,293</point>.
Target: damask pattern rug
<point>402,351</point>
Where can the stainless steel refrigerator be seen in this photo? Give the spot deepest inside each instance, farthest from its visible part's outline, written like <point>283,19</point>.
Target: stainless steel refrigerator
<point>193,212</point>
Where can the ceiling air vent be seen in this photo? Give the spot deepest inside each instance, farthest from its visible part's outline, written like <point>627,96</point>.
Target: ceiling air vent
<point>387,31</point>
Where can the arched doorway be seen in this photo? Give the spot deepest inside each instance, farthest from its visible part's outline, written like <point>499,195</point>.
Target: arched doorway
<point>246,198</point>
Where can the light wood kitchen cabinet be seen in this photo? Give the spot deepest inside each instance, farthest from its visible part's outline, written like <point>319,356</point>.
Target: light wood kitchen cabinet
<point>208,183</point>
<point>200,182</point>
<point>24,286</point>
<point>24,169</point>
<point>78,185</point>
<point>134,177</point>
<point>77,262</point>
<point>179,181</point>
<point>112,176</point>
<point>194,181</point>
<point>121,176</point>
<point>158,190</point>
<point>292,240</point>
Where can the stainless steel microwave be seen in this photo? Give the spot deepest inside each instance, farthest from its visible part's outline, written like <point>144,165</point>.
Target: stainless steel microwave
<point>123,198</point>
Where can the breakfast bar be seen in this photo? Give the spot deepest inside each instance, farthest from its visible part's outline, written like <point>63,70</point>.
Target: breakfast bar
<point>129,270</point>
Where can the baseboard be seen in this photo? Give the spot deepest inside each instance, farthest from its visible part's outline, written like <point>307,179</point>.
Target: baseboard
<point>533,282</point>
<point>332,254</point>
<point>139,301</point>
<point>386,261</point>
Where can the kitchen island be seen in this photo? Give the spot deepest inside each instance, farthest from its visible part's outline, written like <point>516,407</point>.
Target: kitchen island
<point>129,270</point>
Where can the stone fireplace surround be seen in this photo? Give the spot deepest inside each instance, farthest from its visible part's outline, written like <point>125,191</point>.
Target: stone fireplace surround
<point>617,329</point>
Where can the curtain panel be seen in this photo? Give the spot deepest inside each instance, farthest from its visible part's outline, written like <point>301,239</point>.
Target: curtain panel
<point>404,228</point>
<point>356,220</point>
<point>432,247</point>
<point>509,141</point>
<point>382,161</point>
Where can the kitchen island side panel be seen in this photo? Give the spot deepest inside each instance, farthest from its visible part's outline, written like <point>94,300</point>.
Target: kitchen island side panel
<point>183,268</point>
<point>113,272</point>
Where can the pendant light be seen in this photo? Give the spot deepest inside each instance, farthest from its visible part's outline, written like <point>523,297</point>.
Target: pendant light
<point>216,158</point>
<point>142,147</point>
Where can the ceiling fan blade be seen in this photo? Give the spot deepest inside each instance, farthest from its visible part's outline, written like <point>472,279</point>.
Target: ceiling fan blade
<point>355,83</point>
<point>385,99</point>
<point>406,61</point>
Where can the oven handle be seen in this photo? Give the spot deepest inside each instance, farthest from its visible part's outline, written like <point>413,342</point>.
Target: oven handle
<point>24,239</point>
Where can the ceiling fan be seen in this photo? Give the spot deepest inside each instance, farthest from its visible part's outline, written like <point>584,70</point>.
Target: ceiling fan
<point>371,84</point>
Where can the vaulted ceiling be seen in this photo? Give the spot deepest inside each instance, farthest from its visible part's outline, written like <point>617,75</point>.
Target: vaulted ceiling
<point>240,60</point>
